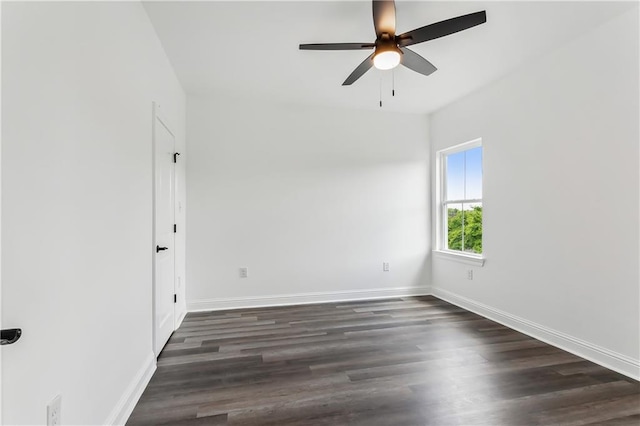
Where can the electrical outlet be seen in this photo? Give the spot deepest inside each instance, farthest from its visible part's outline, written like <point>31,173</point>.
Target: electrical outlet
<point>385,266</point>
<point>53,411</point>
<point>470,274</point>
<point>244,272</point>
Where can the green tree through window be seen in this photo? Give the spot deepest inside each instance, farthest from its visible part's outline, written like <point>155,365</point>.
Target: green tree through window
<point>470,233</point>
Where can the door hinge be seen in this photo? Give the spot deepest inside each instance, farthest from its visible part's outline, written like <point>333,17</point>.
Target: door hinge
<point>175,157</point>
<point>175,228</point>
<point>175,298</point>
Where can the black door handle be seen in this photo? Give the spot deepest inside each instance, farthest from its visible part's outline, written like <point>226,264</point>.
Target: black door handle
<point>10,336</point>
<point>159,249</point>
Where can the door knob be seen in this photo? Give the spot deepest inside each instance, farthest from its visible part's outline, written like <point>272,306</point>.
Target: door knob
<point>159,249</point>
<point>10,336</point>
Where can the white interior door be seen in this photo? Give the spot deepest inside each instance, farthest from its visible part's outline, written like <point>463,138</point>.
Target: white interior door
<point>164,247</point>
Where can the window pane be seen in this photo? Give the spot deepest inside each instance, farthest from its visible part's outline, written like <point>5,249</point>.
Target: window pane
<point>473,174</point>
<point>455,176</point>
<point>472,232</point>
<point>454,226</point>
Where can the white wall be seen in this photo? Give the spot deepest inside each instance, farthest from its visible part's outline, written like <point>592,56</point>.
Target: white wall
<point>78,81</point>
<point>311,200</point>
<point>560,196</point>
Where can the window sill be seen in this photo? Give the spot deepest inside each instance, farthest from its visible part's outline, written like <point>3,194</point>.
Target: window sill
<point>460,257</point>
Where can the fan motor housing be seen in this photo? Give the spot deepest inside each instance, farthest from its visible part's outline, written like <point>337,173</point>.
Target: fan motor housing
<point>386,43</point>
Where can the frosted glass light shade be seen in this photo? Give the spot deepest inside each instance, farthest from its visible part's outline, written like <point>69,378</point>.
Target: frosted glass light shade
<point>386,60</point>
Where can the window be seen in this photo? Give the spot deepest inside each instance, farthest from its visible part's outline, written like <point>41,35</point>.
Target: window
<point>460,199</point>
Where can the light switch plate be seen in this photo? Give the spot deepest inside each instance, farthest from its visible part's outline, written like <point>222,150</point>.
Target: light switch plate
<point>53,411</point>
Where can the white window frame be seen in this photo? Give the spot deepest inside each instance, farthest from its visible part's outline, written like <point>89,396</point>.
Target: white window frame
<point>441,206</point>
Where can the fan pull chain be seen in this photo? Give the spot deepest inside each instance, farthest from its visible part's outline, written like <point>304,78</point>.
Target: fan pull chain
<point>393,83</point>
<point>380,92</point>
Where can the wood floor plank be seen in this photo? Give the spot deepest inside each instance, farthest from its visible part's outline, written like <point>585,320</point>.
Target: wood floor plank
<point>518,409</point>
<point>402,361</point>
<point>596,411</point>
<point>257,345</point>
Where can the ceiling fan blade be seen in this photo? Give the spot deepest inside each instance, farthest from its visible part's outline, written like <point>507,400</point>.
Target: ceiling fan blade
<point>417,63</point>
<point>337,46</point>
<point>442,28</point>
<point>384,17</point>
<point>359,71</point>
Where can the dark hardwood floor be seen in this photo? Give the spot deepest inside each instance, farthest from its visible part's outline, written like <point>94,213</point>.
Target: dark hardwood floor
<point>409,361</point>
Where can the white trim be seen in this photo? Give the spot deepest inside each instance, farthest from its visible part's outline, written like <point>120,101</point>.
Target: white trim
<point>123,409</point>
<point>159,115</point>
<point>469,201</point>
<point>607,358</point>
<point>460,257</point>
<point>303,298</point>
<point>180,319</point>
<point>461,147</point>
<point>441,203</point>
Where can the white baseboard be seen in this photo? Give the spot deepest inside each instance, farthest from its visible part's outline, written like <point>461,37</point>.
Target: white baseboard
<point>303,298</point>
<point>181,316</point>
<point>612,360</point>
<point>123,409</point>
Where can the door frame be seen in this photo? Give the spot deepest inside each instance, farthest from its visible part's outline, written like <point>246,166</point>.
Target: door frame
<point>1,396</point>
<point>158,116</point>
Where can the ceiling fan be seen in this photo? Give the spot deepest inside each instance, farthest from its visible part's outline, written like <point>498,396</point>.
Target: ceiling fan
<point>391,49</point>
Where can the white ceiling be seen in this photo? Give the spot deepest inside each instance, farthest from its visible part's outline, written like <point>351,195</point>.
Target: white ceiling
<point>251,48</point>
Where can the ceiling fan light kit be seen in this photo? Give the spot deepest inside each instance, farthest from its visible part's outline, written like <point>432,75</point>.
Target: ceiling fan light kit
<point>386,60</point>
<point>390,49</point>
<point>387,54</point>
